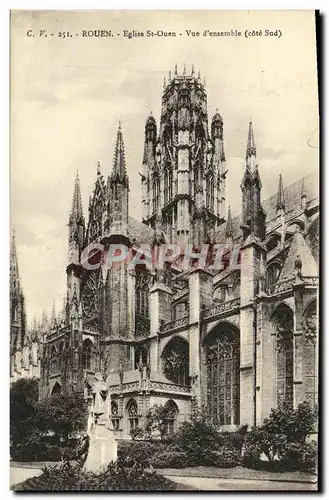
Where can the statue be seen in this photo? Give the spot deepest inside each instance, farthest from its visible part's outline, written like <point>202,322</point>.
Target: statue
<point>102,444</point>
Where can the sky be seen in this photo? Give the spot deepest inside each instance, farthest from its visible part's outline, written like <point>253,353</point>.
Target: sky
<point>68,96</point>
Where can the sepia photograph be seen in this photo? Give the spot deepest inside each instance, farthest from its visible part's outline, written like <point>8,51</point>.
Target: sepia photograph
<point>164,256</point>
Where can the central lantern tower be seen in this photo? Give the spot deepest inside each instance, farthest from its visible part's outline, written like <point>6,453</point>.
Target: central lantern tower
<point>184,171</point>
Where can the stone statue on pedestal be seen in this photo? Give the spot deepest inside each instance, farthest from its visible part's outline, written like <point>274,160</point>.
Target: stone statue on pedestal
<point>103,446</point>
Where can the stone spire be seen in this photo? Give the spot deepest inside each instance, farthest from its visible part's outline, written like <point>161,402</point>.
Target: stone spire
<point>229,225</point>
<point>53,320</point>
<point>14,276</point>
<point>280,203</point>
<point>44,321</point>
<point>119,163</point>
<point>251,148</point>
<point>76,209</point>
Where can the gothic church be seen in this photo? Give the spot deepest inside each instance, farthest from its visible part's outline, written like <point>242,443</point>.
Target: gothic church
<point>238,339</point>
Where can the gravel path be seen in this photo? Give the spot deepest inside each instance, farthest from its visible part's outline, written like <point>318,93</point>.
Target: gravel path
<point>216,484</point>
<point>19,474</point>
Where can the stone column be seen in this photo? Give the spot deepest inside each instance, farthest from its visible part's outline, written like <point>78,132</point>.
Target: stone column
<point>250,274</point>
<point>298,343</point>
<point>160,312</point>
<point>200,292</point>
<point>265,361</point>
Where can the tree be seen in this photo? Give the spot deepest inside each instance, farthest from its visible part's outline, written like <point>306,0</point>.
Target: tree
<point>63,414</point>
<point>157,419</point>
<point>283,434</point>
<point>24,395</point>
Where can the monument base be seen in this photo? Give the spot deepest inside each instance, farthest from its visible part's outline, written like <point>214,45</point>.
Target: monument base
<point>102,448</point>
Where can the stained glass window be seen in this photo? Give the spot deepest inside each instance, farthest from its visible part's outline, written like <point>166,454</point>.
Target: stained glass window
<point>87,354</point>
<point>115,415</point>
<point>176,361</point>
<point>283,320</point>
<point>223,377</point>
<point>171,419</point>
<point>133,419</point>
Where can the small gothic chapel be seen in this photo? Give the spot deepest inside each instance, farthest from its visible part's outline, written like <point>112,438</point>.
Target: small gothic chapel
<point>239,338</point>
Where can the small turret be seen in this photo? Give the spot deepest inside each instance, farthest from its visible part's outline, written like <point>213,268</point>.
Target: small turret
<point>280,203</point>
<point>229,225</point>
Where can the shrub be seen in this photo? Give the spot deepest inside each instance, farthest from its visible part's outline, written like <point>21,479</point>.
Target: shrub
<point>224,458</point>
<point>140,452</point>
<point>157,419</point>
<point>40,430</point>
<point>170,459</point>
<point>231,440</point>
<point>282,437</point>
<point>114,478</point>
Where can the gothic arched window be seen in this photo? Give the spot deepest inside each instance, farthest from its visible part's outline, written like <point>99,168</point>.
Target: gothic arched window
<point>56,389</point>
<point>223,375</point>
<point>53,361</point>
<point>171,419</point>
<point>132,412</point>
<point>284,323</point>
<point>142,297</point>
<point>176,361</point>
<point>310,326</point>
<point>115,415</point>
<point>87,354</point>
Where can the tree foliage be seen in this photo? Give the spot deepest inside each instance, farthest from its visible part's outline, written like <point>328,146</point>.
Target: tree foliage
<point>24,395</point>
<point>40,429</point>
<point>157,419</point>
<point>63,414</point>
<point>282,436</point>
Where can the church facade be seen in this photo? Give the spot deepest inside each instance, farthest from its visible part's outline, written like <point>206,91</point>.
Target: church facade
<point>238,334</point>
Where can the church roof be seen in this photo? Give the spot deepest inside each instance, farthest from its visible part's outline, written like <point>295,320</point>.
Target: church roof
<point>292,198</point>
<point>300,250</point>
<point>139,232</point>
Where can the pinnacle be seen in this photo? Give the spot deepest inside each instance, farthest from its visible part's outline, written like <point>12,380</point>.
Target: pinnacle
<point>280,204</point>
<point>119,163</point>
<point>76,210</point>
<point>251,145</point>
<point>229,225</point>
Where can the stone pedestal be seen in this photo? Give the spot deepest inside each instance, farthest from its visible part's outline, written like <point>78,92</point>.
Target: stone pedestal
<point>102,448</point>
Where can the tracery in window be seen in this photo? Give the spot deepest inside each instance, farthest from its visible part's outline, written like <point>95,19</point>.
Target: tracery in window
<point>283,321</point>
<point>222,351</point>
<point>87,354</point>
<point>172,417</point>
<point>176,361</point>
<point>133,419</point>
<point>115,416</point>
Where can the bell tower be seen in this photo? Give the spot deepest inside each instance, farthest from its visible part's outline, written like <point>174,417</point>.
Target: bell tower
<point>184,165</point>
